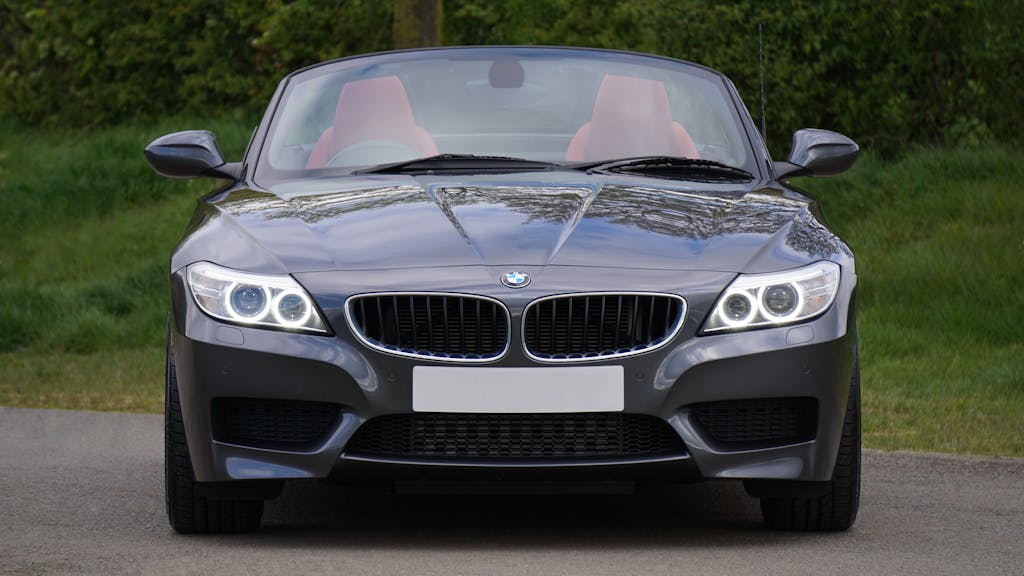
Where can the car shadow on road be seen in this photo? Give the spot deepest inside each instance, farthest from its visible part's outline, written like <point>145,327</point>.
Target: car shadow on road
<point>314,515</point>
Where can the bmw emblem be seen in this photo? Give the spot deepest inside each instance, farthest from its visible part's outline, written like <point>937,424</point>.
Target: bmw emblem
<point>515,279</point>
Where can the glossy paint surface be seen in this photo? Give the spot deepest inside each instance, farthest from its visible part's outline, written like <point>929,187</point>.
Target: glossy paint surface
<point>340,235</point>
<point>565,219</point>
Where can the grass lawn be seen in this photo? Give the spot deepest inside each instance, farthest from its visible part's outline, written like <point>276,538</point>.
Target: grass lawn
<point>86,227</point>
<point>939,238</point>
<point>85,232</point>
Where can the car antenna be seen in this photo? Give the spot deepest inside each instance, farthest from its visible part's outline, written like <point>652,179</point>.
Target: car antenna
<point>760,57</point>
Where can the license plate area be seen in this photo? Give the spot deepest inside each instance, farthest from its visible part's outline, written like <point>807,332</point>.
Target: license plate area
<point>499,390</point>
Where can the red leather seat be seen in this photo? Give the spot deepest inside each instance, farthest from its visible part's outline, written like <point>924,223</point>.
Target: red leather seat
<point>631,117</point>
<point>373,109</point>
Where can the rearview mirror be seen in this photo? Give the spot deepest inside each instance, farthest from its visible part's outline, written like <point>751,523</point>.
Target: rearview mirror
<point>190,154</point>
<point>818,153</point>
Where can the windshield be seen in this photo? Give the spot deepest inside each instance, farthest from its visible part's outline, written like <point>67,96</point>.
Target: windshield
<point>546,105</point>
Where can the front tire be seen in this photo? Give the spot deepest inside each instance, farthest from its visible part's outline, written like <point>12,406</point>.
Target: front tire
<point>187,510</point>
<point>836,509</point>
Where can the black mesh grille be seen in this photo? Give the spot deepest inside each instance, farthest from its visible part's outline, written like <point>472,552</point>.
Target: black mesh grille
<point>763,421</point>
<point>437,325</point>
<point>590,326</point>
<point>273,423</point>
<point>516,436</point>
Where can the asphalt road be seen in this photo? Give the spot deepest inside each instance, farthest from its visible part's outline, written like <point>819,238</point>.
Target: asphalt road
<point>82,493</point>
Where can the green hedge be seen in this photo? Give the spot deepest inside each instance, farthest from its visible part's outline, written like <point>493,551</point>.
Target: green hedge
<point>887,72</point>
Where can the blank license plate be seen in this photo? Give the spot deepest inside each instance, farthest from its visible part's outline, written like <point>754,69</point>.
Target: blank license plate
<point>511,390</point>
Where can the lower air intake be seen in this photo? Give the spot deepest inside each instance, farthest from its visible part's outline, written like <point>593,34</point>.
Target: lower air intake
<point>515,437</point>
<point>765,421</point>
<point>282,424</point>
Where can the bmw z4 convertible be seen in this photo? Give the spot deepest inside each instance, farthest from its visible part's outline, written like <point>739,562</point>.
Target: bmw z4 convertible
<point>511,265</point>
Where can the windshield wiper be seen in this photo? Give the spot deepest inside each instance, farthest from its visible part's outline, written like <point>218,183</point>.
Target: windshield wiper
<point>666,167</point>
<point>458,164</point>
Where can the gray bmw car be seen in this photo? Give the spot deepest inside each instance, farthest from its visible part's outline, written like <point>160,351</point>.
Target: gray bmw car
<point>510,265</point>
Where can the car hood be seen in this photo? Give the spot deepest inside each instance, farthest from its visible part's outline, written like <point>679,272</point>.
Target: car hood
<point>391,222</point>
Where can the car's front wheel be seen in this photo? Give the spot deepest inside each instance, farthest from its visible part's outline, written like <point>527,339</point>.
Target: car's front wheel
<point>834,509</point>
<point>188,510</point>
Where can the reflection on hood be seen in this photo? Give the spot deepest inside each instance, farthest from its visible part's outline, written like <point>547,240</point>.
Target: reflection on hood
<point>612,225</point>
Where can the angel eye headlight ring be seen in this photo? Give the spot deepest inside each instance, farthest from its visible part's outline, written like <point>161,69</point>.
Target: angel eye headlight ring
<point>775,299</point>
<point>248,302</point>
<point>289,300</point>
<point>737,302</point>
<point>770,300</point>
<point>275,302</point>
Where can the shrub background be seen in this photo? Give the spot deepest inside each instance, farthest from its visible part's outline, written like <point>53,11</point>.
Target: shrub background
<point>886,72</point>
<point>86,226</point>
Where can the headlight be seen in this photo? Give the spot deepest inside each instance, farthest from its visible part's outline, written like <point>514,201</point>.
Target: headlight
<point>253,299</point>
<point>761,300</point>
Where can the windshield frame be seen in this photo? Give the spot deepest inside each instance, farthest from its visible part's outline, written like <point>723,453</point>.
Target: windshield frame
<point>262,172</point>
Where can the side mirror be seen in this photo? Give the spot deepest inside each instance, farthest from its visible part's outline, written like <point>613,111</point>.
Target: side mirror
<point>818,153</point>
<point>190,154</point>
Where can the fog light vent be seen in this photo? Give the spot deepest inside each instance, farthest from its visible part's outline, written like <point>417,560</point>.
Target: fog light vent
<point>269,423</point>
<point>759,421</point>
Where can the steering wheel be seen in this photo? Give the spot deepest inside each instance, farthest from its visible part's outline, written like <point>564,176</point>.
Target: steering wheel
<point>373,152</point>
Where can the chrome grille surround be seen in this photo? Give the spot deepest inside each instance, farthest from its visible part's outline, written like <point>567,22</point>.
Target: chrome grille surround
<point>501,316</point>
<point>672,326</point>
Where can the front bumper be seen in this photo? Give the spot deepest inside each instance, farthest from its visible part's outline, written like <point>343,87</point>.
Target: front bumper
<point>811,360</point>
